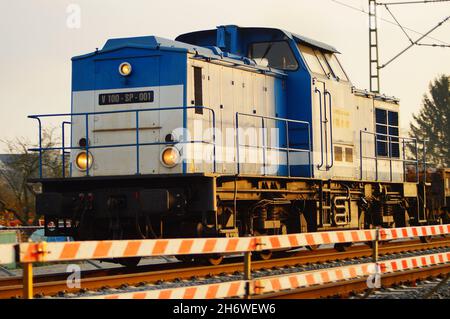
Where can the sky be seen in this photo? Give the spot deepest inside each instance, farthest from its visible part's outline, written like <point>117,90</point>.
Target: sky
<point>38,38</point>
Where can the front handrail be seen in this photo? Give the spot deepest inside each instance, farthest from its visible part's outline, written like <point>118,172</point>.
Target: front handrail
<point>63,155</point>
<point>287,149</point>
<point>137,144</point>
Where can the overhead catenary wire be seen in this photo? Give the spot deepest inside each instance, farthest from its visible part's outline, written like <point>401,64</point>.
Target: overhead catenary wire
<point>389,21</point>
<point>413,2</point>
<point>398,23</point>
<point>416,42</point>
<point>433,45</point>
<point>409,38</point>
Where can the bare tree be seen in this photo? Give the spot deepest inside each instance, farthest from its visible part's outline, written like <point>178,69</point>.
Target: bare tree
<point>17,195</point>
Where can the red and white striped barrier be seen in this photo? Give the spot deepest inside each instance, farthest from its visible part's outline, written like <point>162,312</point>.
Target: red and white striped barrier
<point>409,232</point>
<point>212,291</point>
<point>325,276</point>
<point>284,282</point>
<point>319,238</point>
<point>7,254</point>
<point>83,250</point>
<point>31,252</point>
<point>312,278</point>
<point>414,262</point>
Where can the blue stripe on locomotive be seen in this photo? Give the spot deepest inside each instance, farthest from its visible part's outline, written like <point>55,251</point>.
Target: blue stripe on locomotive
<point>299,101</point>
<point>87,71</point>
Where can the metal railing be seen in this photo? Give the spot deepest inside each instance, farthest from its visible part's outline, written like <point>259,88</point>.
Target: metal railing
<point>388,140</point>
<point>265,147</point>
<point>138,144</point>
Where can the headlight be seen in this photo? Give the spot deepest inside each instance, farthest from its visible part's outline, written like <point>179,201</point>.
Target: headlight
<point>83,161</point>
<point>170,156</point>
<point>125,68</point>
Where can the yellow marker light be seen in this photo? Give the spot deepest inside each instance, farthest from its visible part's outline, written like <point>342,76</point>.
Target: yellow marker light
<point>170,157</point>
<point>125,68</point>
<point>82,161</point>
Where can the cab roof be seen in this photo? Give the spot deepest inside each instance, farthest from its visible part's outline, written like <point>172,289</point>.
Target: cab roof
<point>262,30</point>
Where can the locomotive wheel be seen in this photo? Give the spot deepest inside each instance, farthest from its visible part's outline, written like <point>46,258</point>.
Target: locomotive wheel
<point>264,255</point>
<point>267,254</point>
<point>210,259</point>
<point>185,258</point>
<point>215,259</point>
<point>341,247</point>
<point>130,262</point>
<point>312,247</point>
<point>425,239</point>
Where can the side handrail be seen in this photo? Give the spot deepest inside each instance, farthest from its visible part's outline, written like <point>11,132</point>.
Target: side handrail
<point>287,149</point>
<point>390,158</point>
<point>321,128</point>
<point>137,144</point>
<point>331,129</point>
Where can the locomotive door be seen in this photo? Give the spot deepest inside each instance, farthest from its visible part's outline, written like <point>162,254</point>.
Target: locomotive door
<point>336,133</point>
<point>324,132</point>
<point>120,128</point>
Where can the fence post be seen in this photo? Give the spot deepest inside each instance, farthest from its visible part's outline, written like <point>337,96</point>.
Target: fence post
<point>375,245</point>
<point>247,273</point>
<point>27,277</point>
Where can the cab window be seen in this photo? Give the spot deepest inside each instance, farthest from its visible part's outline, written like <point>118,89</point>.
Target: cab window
<point>311,59</point>
<point>336,66</point>
<point>323,62</point>
<point>277,54</point>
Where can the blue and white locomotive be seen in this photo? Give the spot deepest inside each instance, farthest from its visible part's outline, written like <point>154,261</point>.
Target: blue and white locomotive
<point>227,132</point>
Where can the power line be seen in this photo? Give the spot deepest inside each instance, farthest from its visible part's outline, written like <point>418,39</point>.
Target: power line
<point>390,22</point>
<point>398,23</point>
<point>433,45</point>
<point>412,2</point>
<point>416,42</point>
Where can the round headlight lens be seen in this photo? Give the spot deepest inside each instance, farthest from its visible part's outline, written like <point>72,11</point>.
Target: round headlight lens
<point>170,156</point>
<point>83,160</point>
<point>51,226</point>
<point>125,68</point>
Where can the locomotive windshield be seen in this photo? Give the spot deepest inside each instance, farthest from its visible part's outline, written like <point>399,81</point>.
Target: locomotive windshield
<point>324,63</point>
<point>276,55</point>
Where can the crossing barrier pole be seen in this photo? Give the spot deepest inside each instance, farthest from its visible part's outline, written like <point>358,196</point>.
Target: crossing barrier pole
<point>375,245</point>
<point>27,278</point>
<point>247,273</point>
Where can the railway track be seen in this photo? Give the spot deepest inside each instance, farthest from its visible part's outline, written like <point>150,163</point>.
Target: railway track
<point>104,279</point>
<point>433,288</point>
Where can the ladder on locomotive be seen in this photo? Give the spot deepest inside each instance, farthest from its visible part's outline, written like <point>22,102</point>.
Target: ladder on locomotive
<point>332,209</point>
